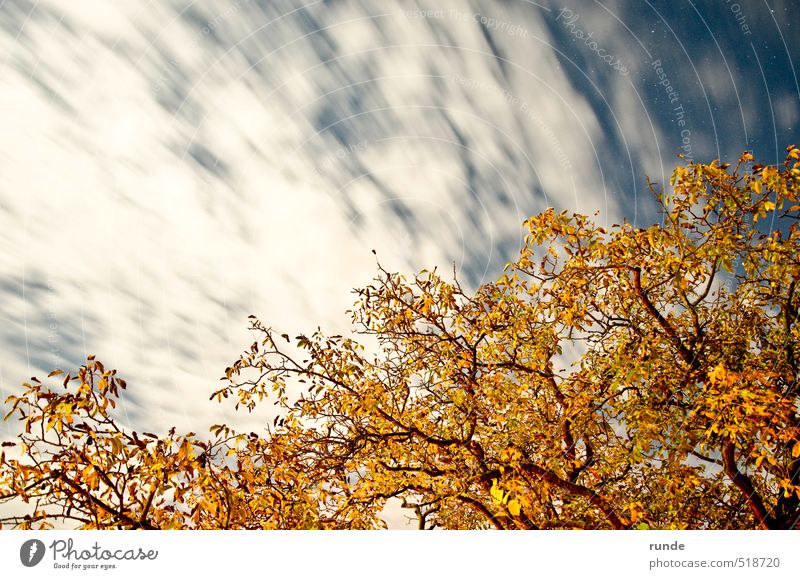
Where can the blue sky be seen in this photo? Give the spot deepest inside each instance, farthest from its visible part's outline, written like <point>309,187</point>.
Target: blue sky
<point>168,168</point>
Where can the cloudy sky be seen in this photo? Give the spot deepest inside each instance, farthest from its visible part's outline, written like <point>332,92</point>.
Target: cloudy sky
<point>168,167</point>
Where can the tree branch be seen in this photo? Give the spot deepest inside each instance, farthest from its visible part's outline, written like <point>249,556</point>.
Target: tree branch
<point>743,483</point>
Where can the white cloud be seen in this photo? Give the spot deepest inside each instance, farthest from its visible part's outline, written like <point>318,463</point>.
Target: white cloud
<point>160,183</point>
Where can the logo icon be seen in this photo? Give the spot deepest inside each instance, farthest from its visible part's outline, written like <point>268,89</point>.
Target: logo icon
<point>31,553</point>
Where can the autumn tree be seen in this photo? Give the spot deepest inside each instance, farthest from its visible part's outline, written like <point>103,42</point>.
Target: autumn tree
<point>609,379</point>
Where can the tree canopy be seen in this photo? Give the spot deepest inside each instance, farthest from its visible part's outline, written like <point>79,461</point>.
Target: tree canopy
<point>628,377</point>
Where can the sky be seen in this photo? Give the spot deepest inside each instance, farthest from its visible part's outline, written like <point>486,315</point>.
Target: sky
<point>169,167</point>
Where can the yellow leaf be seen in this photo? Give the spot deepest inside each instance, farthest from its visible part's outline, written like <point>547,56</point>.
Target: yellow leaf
<point>496,492</point>
<point>513,507</point>
<point>116,445</point>
<point>796,450</point>
<point>718,373</point>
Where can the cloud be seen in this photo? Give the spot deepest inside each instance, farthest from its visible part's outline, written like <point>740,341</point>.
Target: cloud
<point>169,169</point>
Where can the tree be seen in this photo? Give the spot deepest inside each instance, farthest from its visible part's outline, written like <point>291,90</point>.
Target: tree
<point>621,378</point>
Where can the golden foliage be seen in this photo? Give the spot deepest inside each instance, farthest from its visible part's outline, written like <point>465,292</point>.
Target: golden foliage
<point>621,378</point>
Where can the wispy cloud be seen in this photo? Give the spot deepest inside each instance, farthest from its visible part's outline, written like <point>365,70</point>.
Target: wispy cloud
<point>169,168</point>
